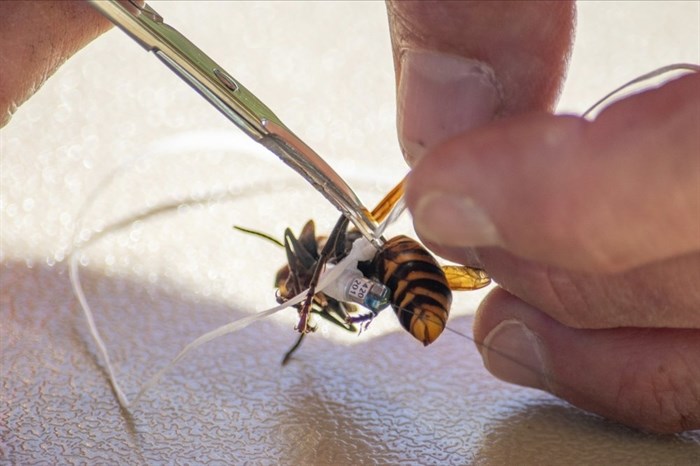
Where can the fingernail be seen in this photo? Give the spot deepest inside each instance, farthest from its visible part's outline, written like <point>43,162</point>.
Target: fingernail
<point>514,354</point>
<point>462,255</point>
<point>451,220</point>
<point>440,96</point>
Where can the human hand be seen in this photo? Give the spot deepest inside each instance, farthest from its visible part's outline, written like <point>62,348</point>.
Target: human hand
<point>36,38</point>
<point>591,229</point>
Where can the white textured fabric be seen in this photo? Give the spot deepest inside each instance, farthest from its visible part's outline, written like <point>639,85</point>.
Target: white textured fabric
<point>168,267</point>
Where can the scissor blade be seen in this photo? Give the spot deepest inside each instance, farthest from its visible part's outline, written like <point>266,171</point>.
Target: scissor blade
<point>238,104</point>
<point>321,176</point>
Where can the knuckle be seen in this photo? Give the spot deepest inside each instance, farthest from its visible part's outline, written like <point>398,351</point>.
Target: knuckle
<point>569,302</point>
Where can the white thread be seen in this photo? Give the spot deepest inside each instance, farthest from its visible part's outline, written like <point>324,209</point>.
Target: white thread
<point>79,240</point>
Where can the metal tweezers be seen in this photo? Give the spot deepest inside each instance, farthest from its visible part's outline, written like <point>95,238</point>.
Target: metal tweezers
<point>239,105</point>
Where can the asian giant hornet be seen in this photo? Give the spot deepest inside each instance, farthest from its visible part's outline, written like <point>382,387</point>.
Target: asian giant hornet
<point>402,274</point>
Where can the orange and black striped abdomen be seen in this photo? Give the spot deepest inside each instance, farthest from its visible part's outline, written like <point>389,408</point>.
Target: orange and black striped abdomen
<point>420,294</point>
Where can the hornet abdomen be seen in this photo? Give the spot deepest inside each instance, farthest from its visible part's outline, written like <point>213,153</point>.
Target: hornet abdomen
<point>420,294</point>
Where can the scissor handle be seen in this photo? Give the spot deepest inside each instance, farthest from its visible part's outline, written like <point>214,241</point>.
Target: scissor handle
<point>148,28</point>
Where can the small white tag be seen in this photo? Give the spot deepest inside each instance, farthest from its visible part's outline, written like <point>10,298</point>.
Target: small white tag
<point>359,287</point>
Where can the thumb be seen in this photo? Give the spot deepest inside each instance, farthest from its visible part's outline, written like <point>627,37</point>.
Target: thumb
<point>647,378</point>
<point>460,64</point>
<point>607,195</point>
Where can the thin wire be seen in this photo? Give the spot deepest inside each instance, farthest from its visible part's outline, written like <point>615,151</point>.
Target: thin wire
<point>645,77</point>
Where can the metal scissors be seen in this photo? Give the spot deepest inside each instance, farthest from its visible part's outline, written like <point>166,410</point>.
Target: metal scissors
<point>239,105</point>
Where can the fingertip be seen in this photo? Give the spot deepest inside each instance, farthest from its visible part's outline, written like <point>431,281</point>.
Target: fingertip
<point>645,378</point>
<point>37,37</point>
<point>464,256</point>
<point>483,187</point>
<point>527,44</point>
<point>440,95</point>
<point>459,65</point>
<point>507,333</point>
<point>453,220</point>
<point>548,188</point>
